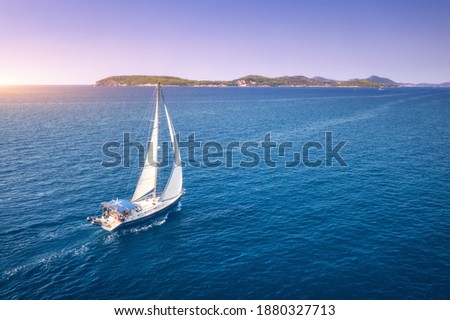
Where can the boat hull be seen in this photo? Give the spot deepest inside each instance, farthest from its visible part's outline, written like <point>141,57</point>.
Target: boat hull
<point>146,218</point>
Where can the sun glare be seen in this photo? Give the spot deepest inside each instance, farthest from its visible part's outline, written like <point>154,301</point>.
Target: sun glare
<point>4,82</point>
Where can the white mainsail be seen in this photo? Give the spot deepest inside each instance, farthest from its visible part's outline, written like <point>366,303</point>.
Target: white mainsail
<point>144,202</point>
<point>174,185</point>
<point>147,180</point>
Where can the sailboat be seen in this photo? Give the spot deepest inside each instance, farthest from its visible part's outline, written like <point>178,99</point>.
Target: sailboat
<point>146,202</point>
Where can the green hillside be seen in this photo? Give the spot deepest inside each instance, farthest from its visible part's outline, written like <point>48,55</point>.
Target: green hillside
<point>247,81</point>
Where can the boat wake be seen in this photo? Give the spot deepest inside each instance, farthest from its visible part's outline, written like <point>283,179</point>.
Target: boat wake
<point>110,238</point>
<point>82,248</point>
<point>45,262</point>
<point>155,223</point>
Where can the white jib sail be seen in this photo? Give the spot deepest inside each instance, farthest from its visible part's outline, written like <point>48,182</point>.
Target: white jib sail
<point>175,183</point>
<point>147,180</point>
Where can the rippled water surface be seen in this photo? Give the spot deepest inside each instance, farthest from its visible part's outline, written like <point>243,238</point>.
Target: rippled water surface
<point>376,229</point>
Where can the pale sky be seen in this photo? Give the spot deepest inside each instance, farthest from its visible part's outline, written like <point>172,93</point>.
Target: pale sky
<point>80,42</point>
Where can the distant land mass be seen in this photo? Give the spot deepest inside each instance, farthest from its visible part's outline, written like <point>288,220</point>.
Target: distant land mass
<point>381,80</point>
<point>254,81</point>
<point>322,79</point>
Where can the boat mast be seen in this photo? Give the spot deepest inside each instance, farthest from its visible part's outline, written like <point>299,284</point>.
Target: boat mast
<point>156,126</point>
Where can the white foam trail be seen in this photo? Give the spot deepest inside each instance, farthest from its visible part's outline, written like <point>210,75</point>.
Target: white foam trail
<point>47,260</point>
<point>155,223</point>
<point>110,238</point>
<point>161,222</point>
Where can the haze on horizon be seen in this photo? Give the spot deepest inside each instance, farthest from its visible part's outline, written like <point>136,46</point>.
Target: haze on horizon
<point>80,42</point>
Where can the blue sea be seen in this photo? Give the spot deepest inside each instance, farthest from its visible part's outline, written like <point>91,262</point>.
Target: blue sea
<point>375,228</point>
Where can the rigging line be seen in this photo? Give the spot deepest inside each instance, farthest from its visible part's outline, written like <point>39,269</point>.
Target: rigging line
<point>119,181</point>
<point>162,95</point>
<point>98,210</point>
<point>144,125</point>
<point>164,101</point>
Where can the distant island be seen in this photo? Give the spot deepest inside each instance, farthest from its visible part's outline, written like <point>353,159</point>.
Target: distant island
<point>255,81</point>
